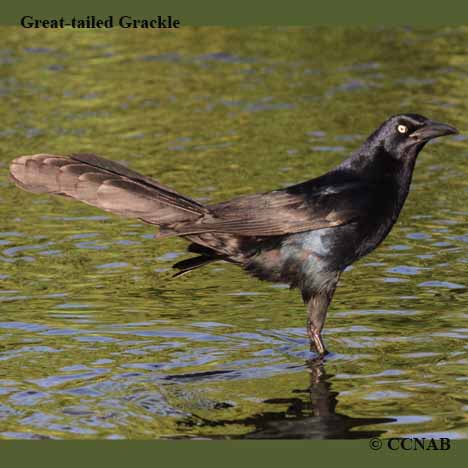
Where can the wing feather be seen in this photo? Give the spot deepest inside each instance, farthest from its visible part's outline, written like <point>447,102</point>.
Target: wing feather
<point>292,210</point>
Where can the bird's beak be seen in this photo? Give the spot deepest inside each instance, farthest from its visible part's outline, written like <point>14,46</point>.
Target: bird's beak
<point>432,130</point>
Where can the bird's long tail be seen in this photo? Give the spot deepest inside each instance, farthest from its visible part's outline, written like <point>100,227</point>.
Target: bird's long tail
<point>106,185</point>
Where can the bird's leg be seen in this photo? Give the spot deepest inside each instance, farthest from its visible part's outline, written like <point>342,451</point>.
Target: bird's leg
<point>316,342</point>
<point>314,331</point>
<point>316,315</point>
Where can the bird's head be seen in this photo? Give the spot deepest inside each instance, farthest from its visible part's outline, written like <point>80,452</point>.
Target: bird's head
<point>405,134</point>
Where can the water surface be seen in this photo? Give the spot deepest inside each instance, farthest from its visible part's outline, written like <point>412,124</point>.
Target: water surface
<point>96,340</point>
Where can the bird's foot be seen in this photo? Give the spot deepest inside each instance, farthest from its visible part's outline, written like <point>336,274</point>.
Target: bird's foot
<point>316,342</point>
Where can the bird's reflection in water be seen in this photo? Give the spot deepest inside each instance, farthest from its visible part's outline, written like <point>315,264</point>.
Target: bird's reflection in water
<point>314,417</point>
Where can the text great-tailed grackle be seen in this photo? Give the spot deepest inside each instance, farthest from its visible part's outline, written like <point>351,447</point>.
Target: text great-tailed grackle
<point>304,235</point>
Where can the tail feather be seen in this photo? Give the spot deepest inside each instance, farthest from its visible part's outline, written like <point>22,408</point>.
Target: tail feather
<point>106,185</point>
<point>190,264</point>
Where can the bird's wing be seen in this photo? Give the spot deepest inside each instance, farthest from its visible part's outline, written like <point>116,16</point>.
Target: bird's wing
<point>292,210</point>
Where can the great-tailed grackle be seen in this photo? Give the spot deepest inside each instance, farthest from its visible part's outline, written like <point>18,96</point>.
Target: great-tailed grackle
<point>304,235</point>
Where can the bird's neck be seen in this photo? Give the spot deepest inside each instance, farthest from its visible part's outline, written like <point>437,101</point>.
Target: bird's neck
<point>380,168</point>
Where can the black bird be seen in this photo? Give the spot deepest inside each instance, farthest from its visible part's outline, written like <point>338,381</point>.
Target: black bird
<point>304,235</point>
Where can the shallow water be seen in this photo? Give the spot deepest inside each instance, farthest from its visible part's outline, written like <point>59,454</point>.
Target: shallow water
<point>96,340</point>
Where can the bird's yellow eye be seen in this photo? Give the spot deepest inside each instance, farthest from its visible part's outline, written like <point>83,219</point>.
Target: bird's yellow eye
<point>402,128</point>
